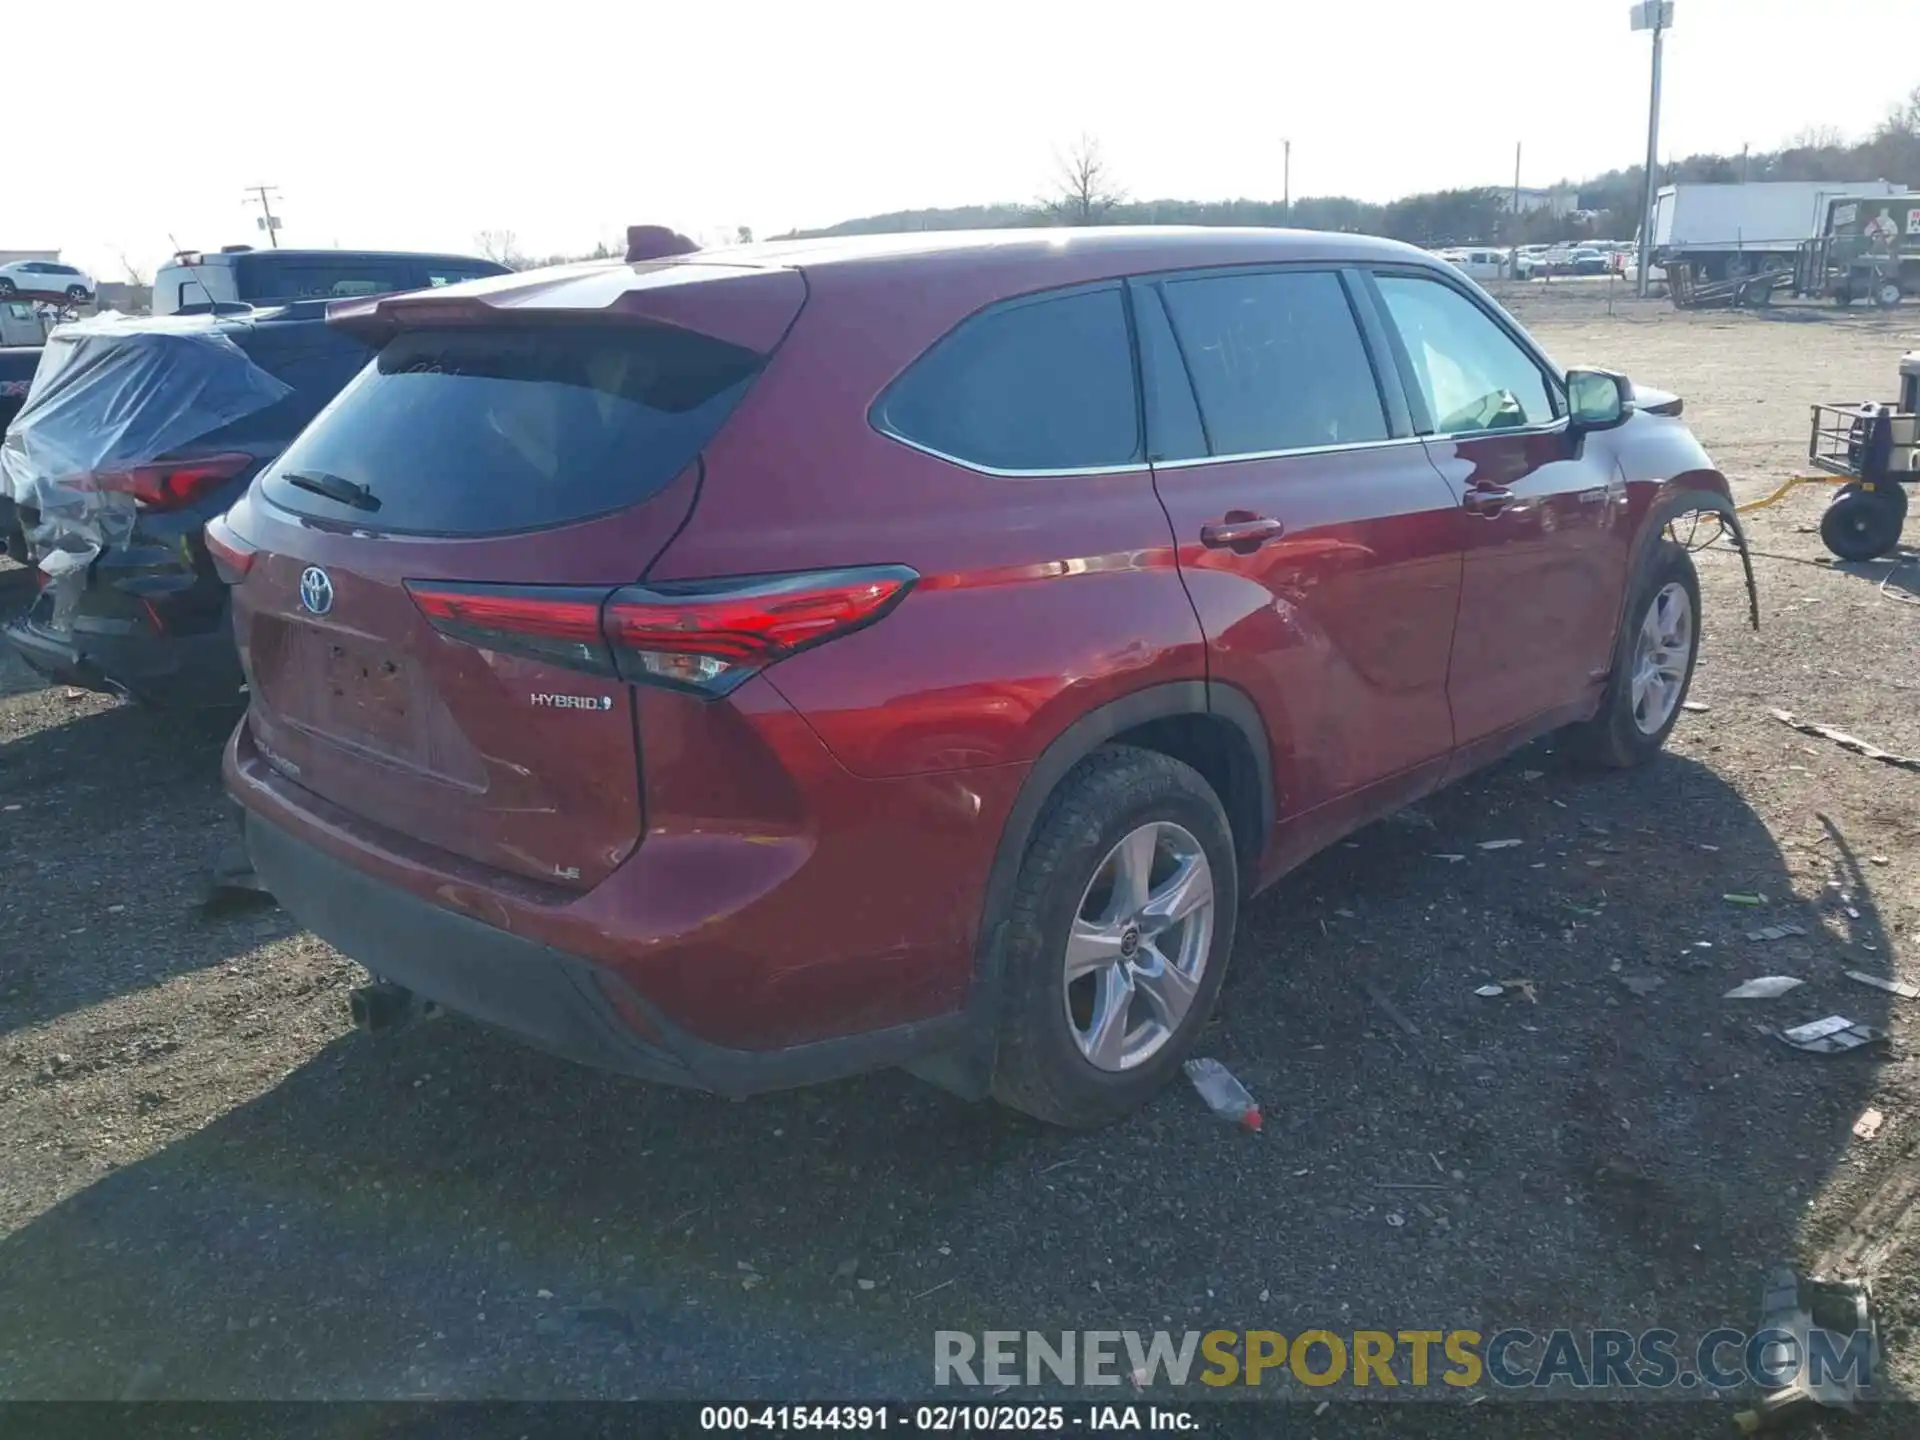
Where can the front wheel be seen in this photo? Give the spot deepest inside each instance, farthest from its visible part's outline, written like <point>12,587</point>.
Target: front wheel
<point>1652,665</point>
<point>1118,938</point>
<point>1887,294</point>
<point>7,287</point>
<point>76,294</point>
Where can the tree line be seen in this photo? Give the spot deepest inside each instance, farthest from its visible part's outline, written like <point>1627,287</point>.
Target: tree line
<point>1606,206</point>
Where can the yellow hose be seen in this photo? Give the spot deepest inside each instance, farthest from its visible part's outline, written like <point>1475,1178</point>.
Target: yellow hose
<point>1765,501</point>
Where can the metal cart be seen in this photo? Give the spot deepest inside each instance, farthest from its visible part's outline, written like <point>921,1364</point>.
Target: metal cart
<point>1875,448</point>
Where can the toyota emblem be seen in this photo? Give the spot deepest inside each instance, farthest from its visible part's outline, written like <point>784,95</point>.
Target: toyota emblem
<point>316,590</point>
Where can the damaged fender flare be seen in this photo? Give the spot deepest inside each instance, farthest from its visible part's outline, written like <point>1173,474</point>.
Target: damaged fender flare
<point>1673,501</point>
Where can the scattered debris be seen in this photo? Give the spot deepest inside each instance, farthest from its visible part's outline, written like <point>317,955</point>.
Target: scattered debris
<point>1797,1307</point>
<point>1869,1123</point>
<point>1879,859</point>
<point>1522,986</point>
<point>1755,899</point>
<point>1491,992</point>
<point>1695,705</point>
<point>942,1285</point>
<point>1499,844</point>
<point>1396,1219</point>
<point>1642,984</point>
<point>1224,1094</point>
<point>1767,987</point>
<point>1845,741</point>
<point>1455,858</point>
<point>1532,774</point>
<point>1893,987</point>
<point>1391,1010</point>
<point>1775,932</point>
<point>1411,819</point>
<point>1835,1035</point>
<point>72,694</point>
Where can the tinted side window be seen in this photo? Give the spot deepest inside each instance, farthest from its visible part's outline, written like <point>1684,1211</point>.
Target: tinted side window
<point>1043,384</point>
<point>435,273</point>
<point>1174,431</point>
<point>1470,372</point>
<point>1277,361</point>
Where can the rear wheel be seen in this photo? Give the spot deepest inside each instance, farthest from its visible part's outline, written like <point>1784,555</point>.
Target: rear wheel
<point>1887,294</point>
<point>1652,665</point>
<point>1864,524</point>
<point>1121,925</point>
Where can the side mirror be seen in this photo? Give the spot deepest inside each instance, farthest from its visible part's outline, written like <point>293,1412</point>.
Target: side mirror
<point>1598,399</point>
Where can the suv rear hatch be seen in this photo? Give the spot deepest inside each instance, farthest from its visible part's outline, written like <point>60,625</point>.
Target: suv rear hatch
<point>422,617</point>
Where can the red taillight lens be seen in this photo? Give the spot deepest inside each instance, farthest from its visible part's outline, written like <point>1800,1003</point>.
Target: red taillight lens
<point>231,556</point>
<point>706,637</point>
<point>543,622</point>
<point>710,636</point>
<point>167,484</point>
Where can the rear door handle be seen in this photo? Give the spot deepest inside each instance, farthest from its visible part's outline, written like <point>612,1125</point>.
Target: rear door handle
<point>1241,532</point>
<point>1487,499</point>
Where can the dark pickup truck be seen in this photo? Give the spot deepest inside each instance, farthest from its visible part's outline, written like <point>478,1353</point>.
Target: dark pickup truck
<point>135,437</point>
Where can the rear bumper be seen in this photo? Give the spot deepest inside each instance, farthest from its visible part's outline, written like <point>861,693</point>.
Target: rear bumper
<point>562,1003</point>
<point>186,672</point>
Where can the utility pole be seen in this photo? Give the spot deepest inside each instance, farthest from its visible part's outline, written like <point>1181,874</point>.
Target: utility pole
<point>268,221</point>
<point>1286,181</point>
<point>1513,260</point>
<point>1657,16</point>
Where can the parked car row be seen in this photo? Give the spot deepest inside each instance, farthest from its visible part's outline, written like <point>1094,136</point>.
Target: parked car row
<point>759,666</point>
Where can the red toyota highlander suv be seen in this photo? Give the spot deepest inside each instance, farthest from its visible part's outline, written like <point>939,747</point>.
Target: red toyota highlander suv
<point>756,666</point>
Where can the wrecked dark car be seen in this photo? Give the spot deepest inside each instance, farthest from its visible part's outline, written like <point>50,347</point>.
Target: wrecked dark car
<point>134,434</point>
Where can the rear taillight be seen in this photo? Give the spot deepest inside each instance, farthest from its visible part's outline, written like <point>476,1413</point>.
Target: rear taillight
<point>543,622</point>
<point>166,484</point>
<point>231,556</point>
<point>710,636</point>
<point>706,636</point>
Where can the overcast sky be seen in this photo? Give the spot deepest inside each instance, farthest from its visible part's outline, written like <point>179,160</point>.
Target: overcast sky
<point>414,125</point>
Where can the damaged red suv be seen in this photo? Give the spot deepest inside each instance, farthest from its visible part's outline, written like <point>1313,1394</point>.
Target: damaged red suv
<point>757,666</point>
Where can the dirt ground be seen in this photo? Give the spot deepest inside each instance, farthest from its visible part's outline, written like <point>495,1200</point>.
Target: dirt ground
<point>210,1188</point>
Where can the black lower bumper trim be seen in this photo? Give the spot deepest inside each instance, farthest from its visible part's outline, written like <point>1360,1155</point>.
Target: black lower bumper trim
<point>545,996</point>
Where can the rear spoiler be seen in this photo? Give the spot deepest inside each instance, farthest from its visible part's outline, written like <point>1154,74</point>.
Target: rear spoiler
<point>752,306</point>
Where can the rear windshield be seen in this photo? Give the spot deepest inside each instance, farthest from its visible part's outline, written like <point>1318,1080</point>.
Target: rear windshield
<point>476,432</point>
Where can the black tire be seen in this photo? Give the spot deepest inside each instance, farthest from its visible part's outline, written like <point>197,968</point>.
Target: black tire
<point>1886,294</point>
<point>1864,524</point>
<point>76,294</point>
<point>1113,792</point>
<point>1613,738</point>
<point>7,286</point>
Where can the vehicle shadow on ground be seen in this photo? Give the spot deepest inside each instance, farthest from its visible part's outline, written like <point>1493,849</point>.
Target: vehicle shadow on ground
<point>104,862</point>
<point>445,1212</point>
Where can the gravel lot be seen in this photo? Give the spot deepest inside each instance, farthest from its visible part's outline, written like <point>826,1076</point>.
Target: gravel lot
<point>210,1188</point>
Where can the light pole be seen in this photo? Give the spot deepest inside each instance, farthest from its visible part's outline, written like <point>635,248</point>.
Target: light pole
<point>1286,181</point>
<point>1657,16</point>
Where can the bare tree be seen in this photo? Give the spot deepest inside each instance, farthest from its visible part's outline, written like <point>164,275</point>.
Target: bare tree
<point>1817,137</point>
<point>1084,189</point>
<point>135,275</point>
<point>500,246</point>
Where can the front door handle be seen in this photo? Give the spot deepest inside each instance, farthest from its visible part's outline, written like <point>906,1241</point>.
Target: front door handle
<point>1487,499</point>
<point>1241,532</point>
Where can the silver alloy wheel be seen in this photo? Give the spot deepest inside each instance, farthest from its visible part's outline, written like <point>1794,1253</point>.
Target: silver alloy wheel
<point>1660,655</point>
<point>1139,946</point>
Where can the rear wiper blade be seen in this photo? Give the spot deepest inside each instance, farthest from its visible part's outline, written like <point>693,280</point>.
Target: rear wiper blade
<point>334,487</point>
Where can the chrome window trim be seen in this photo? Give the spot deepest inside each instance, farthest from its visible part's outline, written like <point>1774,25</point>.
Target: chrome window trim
<point>1132,467</point>
<point>1390,443</point>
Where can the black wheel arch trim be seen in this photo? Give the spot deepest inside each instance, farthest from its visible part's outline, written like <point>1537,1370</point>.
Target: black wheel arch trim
<point>1673,502</point>
<point>968,1069</point>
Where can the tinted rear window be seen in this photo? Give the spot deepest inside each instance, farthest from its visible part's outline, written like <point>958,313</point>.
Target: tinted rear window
<point>492,431</point>
<point>264,278</point>
<point>1039,384</point>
